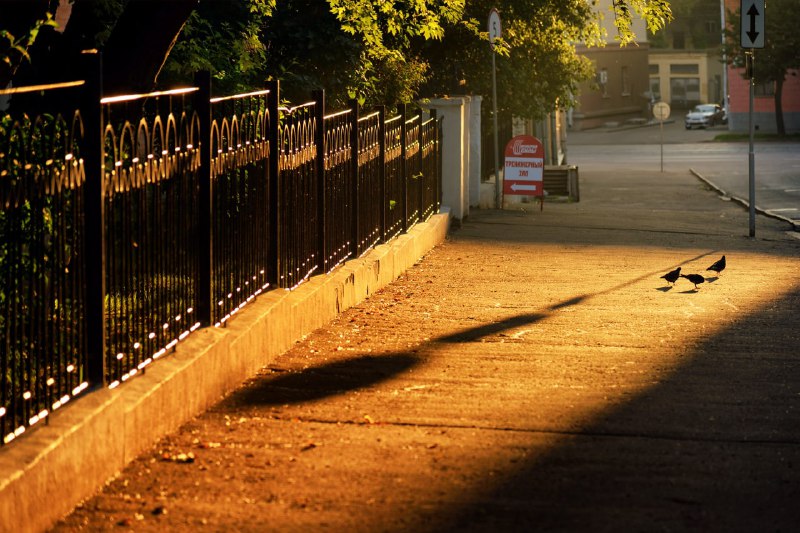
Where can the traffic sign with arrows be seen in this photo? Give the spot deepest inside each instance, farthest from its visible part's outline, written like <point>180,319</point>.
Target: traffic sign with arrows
<point>752,23</point>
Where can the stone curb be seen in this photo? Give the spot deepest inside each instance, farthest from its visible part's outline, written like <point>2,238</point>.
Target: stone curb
<point>744,203</point>
<point>44,475</point>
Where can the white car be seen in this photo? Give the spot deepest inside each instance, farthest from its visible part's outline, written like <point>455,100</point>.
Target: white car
<point>705,116</point>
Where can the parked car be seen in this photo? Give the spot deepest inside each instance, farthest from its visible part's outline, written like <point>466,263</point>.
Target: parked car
<point>705,116</point>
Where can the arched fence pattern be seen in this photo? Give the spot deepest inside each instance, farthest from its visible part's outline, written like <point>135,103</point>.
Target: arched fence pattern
<point>129,222</point>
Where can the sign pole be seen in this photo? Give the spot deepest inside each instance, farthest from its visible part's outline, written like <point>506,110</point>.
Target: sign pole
<point>751,152</point>
<point>661,122</point>
<point>752,37</point>
<point>498,199</point>
<point>661,111</point>
<point>495,32</point>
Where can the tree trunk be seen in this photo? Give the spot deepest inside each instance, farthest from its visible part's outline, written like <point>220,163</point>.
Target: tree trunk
<point>140,43</point>
<point>779,107</point>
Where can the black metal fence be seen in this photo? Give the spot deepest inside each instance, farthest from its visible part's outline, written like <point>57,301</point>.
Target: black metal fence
<point>129,222</point>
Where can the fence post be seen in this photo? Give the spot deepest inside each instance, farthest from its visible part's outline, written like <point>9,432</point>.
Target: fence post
<point>403,169</point>
<point>319,141</point>
<point>356,248</point>
<point>382,170</point>
<point>205,235</point>
<point>274,183</point>
<point>439,160</point>
<point>422,179</point>
<point>95,227</point>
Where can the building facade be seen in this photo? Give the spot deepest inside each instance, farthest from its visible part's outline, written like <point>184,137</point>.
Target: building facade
<point>764,118</point>
<point>685,63</point>
<point>619,91</point>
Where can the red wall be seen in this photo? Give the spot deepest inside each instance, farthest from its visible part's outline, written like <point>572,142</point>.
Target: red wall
<point>739,91</point>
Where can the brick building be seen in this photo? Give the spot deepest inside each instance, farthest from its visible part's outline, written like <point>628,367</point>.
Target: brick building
<point>764,100</point>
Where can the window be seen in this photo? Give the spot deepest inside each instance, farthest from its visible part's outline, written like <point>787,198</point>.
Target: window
<point>680,68</point>
<point>711,27</point>
<point>653,68</point>
<point>685,92</point>
<point>655,89</point>
<point>602,80</point>
<point>626,82</point>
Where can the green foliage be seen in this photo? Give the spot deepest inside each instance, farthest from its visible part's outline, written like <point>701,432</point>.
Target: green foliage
<point>390,52</point>
<point>352,48</point>
<point>38,245</point>
<point>538,67</point>
<point>14,50</point>
<point>224,38</point>
<point>655,13</point>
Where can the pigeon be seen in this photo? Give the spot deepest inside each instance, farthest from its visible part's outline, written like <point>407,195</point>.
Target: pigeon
<point>672,276</point>
<point>697,279</point>
<point>719,266</point>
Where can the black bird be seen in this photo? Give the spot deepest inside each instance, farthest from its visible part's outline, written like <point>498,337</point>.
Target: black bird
<point>697,279</point>
<point>672,276</point>
<point>719,266</point>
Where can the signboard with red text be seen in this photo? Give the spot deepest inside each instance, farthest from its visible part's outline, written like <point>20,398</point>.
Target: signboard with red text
<point>524,166</point>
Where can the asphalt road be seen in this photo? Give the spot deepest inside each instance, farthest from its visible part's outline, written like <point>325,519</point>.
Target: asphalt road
<point>673,148</point>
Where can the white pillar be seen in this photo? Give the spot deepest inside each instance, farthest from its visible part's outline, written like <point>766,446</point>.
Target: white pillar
<point>475,140</point>
<point>455,192</point>
<point>466,118</point>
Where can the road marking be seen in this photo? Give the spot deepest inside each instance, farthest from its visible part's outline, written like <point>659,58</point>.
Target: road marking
<point>783,209</point>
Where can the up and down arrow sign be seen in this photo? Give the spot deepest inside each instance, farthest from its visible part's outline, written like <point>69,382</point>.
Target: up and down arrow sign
<point>752,23</point>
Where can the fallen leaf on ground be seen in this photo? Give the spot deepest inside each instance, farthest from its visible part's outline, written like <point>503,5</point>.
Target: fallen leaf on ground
<point>178,458</point>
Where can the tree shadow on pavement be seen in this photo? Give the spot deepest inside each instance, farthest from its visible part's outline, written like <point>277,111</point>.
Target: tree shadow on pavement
<point>338,377</point>
<point>714,447</point>
<point>322,381</point>
<point>492,328</point>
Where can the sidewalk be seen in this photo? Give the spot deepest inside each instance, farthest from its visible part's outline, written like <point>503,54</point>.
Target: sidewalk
<point>532,373</point>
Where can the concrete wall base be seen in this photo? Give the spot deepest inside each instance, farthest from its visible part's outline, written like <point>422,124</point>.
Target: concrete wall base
<point>47,472</point>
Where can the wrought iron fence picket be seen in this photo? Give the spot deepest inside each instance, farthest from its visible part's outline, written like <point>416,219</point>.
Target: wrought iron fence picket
<point>153,215</point>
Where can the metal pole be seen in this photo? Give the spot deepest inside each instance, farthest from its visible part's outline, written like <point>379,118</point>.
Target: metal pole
<point>205,233</point>
<point>751,152</point>
<point>724,60</point>
<point>355,247</point>
<point>498,201</point>
<point>661,123</point>
<point>319,140</point>
<point>93,155</point>
<point>275,189</point>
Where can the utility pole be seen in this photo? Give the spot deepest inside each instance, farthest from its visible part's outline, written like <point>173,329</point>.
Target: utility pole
<point>724,59</point>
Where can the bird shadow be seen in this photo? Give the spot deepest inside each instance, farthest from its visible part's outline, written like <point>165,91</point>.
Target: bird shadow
<point>712,279</point>
<point>664,289</point>
<point>690,291</point>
